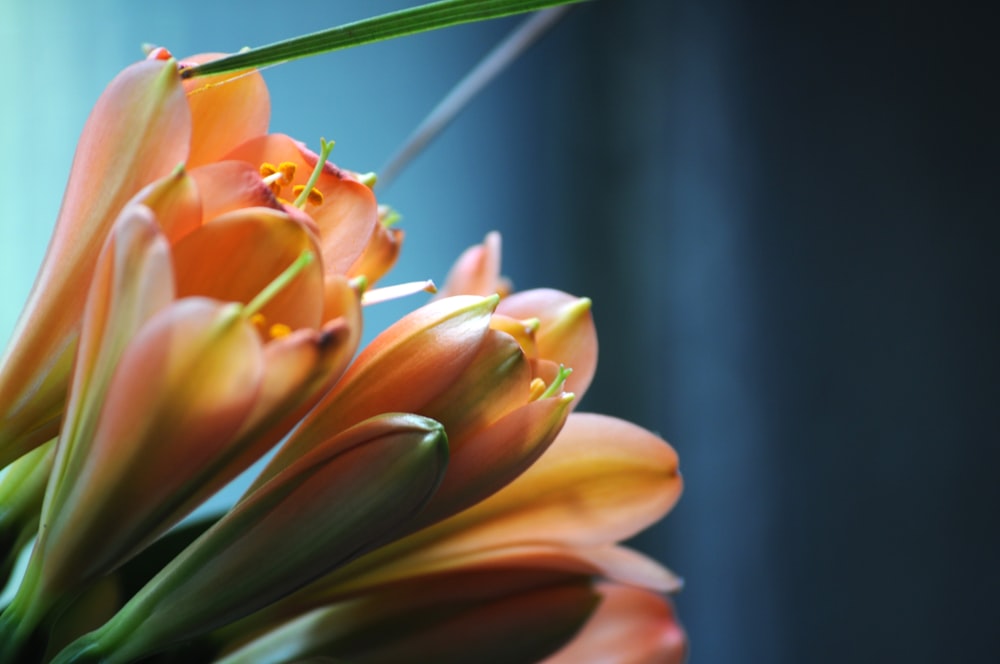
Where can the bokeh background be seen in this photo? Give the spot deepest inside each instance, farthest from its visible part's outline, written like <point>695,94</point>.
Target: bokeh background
<point>785,213</point>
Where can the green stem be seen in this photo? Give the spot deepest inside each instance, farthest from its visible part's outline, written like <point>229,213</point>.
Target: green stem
<point>388,26</point>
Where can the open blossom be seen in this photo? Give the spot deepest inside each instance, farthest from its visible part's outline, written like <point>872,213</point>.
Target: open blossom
<point>429,496</point>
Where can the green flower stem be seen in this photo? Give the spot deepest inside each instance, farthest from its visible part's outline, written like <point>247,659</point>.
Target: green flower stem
<point>388,26</point>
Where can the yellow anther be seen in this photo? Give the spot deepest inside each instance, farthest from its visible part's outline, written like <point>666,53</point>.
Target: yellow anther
<point>258,320</point>
<point>315,195</point>
<point>279,330</point>
<point>278,176</point>
<point>287,170</point>
<point>536,389</point>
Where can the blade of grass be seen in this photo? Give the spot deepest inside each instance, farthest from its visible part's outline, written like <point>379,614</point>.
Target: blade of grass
<point>395,24</point>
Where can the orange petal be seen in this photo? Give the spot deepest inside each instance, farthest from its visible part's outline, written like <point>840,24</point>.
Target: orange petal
<point>613,562</point>
<point>566,333</point>
<point>298,370</point>
<point>602,480</point>
<point>226,186</point>
<point>138,132</point>
<point>477,271</point>
<point>379,256</point>
<point>493,384</point>
<point>183,388</point>
<point>348,214</point>
<point>631,626</point>
<point>132,282</point>
<point>263,243</point>
<point>226,110</point>
<point>175,201</point>
<point>400,371</point>
<point>490,459</point>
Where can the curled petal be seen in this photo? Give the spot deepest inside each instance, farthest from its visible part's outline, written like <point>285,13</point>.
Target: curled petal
<point>298,370</point>
<point>226,110</point>
<point>601,481</point>
<point>566,333</point>
<point>348,214</point>
<point>631,626</point>
<point>493,384</point>
<point>379,256</point>
<point>176,202</point>
<point>491,458</point>
<point>226,186</point>
<point>263,242</point>
<point>477,271</point>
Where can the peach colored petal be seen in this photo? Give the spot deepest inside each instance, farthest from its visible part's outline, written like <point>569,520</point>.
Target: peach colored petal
<point>602,480</point>
<point>379,256</point>
<point>133,281</point>
<point>491,458</point>
<point>183,387</point>
<point>347,217</point>
<point>631,626</point>
<point>298,370</point>
<point>226,110</point>
<point>477,270</point>
<point>493,384</point>
<point>138,132</point>
<point>341,299</point>
<point>613,562</point>
<point>176,202</point>
<point>263,243</point>
<point>522,330</point>
<point>226,186</point>
<point>566,334</point>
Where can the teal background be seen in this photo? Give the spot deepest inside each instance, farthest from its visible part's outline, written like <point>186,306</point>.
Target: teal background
<point>786,215</point>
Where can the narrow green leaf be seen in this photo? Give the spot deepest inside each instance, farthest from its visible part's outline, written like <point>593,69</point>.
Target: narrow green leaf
<point>396,24</point>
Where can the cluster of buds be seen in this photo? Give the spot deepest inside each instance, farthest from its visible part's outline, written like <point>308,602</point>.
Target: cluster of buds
<point>430,497</point>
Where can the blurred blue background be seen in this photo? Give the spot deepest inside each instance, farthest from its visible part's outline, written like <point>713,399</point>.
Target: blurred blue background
<point>786,216</point>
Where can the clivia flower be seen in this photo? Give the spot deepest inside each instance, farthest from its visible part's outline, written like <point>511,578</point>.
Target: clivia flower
<point>430,496</point>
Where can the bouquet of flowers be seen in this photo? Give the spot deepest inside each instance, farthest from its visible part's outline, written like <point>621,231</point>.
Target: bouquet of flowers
<point>431,497</point>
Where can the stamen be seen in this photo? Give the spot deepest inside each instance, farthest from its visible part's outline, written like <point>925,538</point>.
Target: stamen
<point>279,330</point>
<point>279,283</point>
<point>315,196</point>
<point>278,176</point>
<point>536,389</point>
<point>325,149</point>
<point>558,383</point>
<point>387,293</point>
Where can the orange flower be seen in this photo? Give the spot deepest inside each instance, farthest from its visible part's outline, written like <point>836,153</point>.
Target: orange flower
<point>172,398</point>
<point>140,130</point>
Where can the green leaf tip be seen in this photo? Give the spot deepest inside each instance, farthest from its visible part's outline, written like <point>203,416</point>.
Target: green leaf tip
<point>410,21</point>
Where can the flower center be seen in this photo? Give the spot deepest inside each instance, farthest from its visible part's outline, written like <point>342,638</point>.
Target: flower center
<point>279,177</point>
